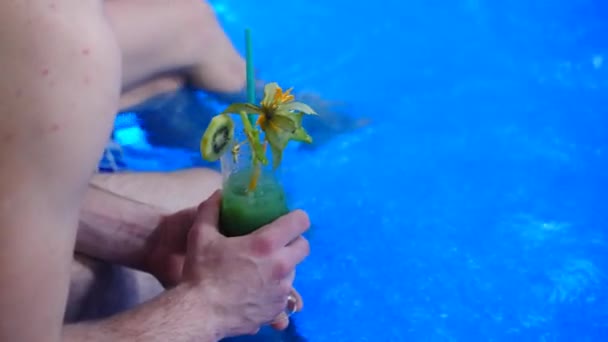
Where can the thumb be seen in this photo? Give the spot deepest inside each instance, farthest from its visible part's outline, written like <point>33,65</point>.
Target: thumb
<point>206,223</point>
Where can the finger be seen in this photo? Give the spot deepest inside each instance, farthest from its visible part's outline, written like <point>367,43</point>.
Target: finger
<point>281,232</point>
<point>294,304</point>
<point>208,212</point>
<point>290,278</point>
<point>178,227</point>
<point>206,222</point>
<point>281,322</point>
<point>294,253</point>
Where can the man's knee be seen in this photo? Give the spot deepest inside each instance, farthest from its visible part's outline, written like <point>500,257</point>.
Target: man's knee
<point>99,289</point>
<point>167,190</point>
<point>206,180</point>
<point>82,277</point>
<point>193,186</point>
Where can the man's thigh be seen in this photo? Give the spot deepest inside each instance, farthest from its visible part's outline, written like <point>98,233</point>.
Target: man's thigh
<point>99,289</point>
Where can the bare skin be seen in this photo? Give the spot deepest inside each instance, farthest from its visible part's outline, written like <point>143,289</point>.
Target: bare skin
<point>139,201</point>
<point>160,37</point>
<point>53,51</point>
<point>44,175</point>
<point>168,191</point>
<point>155,61</point>
<point>147,203</point>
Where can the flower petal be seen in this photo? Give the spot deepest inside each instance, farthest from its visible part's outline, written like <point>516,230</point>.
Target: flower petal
<point>298,107</point>
<point>277,156</point>
<point>288,122</point>
<point>277,137</point>
<point>278,140</point>
<point>301,135</point>
<point>270,91</point>
<point>237,108</point>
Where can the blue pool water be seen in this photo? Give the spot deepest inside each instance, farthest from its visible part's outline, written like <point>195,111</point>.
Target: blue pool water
<point>473,206</point>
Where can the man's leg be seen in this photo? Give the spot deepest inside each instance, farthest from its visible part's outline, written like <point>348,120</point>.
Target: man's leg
<point>98,289</point>
<point>159,37</point>
<point>171,191</point>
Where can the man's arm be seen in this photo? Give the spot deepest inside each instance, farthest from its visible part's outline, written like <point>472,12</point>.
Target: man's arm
<point>57,98</point>
<point>120,211</point>
<point>58,92</point>
<point>155,320</point>
<point>114,228</point>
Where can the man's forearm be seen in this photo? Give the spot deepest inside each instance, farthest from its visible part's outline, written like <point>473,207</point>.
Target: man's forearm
<point>121,210</point>
<point>172,316</point>
<point>114,228</point>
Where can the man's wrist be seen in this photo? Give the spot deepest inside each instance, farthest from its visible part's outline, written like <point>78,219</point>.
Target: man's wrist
<point>212,324</point>
<point>179,314</point>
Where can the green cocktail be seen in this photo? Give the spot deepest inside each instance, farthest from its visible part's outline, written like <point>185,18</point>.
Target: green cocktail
<point>252,196</point>
<point>244,211</point>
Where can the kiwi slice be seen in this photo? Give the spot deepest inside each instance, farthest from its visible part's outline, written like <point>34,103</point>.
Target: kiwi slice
<point>217,137</point>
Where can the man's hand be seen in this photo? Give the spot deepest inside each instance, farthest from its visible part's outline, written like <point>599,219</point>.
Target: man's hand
<point>116,226</point>
<point>165,250</point>
<point>246,280</point>
<point>226,286</point>
<point>165,253</point>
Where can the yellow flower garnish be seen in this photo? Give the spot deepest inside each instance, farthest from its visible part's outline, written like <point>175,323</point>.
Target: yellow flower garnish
<point>280,118</point>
